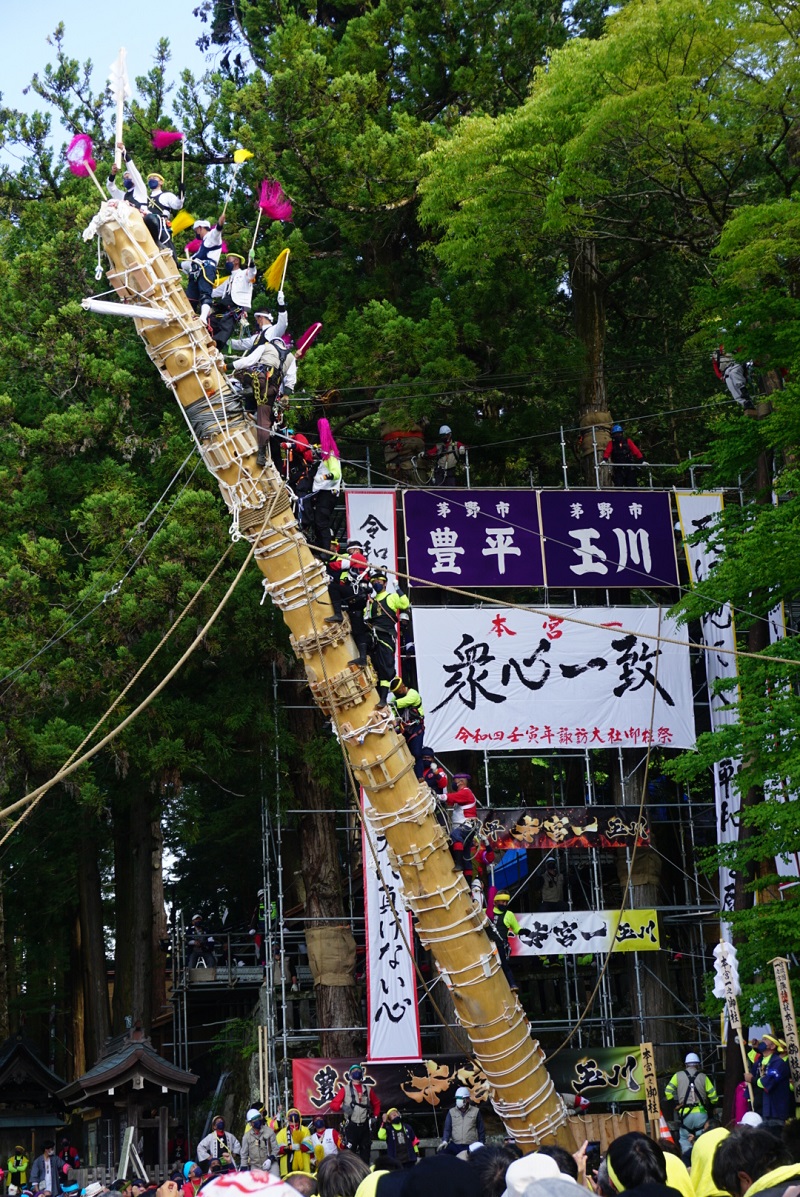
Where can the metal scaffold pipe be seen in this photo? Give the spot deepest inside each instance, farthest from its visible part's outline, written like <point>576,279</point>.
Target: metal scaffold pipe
<point>448,922</point>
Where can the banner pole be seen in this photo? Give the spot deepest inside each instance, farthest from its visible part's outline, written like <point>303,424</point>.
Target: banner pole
<point>735,1019</point>
<point>780,967</point>
<point>651,1091</point>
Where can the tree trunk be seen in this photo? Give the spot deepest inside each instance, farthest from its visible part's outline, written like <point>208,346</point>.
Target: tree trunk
<point>94,979</point>
<point>338,1006</point>
<point>589,315</point>
<point>158,930</point>
<point>78,1004</point>
<point>133,960</point>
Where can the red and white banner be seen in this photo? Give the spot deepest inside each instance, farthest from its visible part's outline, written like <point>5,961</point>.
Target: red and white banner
<point>699,513</point>
<point>372,519</point>
<point>392,1010</point>
<point>501,678</point>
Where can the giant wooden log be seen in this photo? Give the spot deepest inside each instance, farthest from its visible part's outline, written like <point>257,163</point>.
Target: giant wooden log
<point>447,920</point>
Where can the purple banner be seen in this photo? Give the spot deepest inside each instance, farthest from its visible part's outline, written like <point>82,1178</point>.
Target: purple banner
<point>473,538</point>
<point>608,538</point>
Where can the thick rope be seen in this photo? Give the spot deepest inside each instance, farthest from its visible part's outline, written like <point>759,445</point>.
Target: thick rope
<point>68,770</point>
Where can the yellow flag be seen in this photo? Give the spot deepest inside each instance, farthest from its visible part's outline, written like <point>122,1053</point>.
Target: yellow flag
<point>242,155</point>
<point>182,221</point>
<point>274,276</point>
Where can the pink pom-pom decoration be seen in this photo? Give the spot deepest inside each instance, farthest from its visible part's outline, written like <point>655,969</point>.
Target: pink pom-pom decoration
<point>164,137</point>
<point>272,201</point>
<point>327,444</point>
<point>79,156</point>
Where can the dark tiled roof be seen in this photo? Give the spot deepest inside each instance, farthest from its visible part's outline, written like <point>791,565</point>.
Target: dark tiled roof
<point>19,1054</point>
<point>123,1058</point>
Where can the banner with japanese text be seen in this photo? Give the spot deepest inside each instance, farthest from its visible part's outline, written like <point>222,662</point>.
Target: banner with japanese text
<point>576,932</point>
<point>568,827</point>
<point>504,678</point>
<point>473,538</point>
<point>392,1012</point>
<point>703,513</point>
<point>776,789</point>
<point>486,538</point>
<point>602,1075</point>
<point>608,538</point>
<point>371,518</point>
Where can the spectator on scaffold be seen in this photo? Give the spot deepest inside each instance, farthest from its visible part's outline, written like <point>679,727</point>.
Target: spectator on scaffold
<point>623,455</point>
<point>448,455</point>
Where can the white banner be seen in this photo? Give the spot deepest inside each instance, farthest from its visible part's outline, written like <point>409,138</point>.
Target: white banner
<point>371,518</point>
<point>777,789</point>
<point>698,513</point>
<point>578,932</point>
<point>392,1010</point>
<point>501,678</point>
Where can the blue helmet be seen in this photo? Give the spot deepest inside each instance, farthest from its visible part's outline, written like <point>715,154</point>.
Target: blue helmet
<point>616,428</point>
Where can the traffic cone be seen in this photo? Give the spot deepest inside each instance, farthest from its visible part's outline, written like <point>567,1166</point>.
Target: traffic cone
<point>663,1129</point>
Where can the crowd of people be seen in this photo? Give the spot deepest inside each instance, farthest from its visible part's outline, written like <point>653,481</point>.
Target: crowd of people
<point>332,1154</point>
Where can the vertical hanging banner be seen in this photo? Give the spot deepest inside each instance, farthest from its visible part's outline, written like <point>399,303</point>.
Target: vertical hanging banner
<point>702,513</point>
<point>776,788</point>
<point>392,1010</point>
<point>371,518</point>
<point>789,1022</point>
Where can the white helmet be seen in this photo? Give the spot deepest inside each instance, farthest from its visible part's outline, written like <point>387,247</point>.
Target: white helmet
<point>462,1091</point>
<point>268,316</point>
<point>692,1058</point>
<point>202,224</point>
<point>251,1114</point>
<point>445,430</point>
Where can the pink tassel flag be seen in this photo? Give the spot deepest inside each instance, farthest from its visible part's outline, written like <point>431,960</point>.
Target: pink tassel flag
<point>164,137</point>
<point>327,444</point>
<point>273,202</point>
<point>79,156</point>
<point>304,341</point>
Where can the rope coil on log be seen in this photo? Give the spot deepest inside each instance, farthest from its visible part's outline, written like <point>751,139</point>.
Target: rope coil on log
<point>332,634</point>
<point>338,691</point>
<point>378,722</point>
<point>290,593</point>
<point>415,810</point>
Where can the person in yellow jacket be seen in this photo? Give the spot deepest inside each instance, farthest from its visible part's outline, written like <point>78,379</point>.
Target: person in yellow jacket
<point>295,1146</point>
<point>18,1167</point>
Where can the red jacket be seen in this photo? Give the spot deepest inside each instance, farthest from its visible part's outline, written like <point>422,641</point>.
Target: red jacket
<point>344,1091</point>
<point>629,446</point>
<point>466,800</point>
